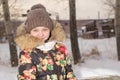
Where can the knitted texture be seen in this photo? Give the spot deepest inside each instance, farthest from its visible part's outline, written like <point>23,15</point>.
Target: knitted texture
<point>37,18</point>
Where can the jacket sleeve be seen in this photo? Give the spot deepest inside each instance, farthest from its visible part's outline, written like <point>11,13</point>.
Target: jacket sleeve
<point>68,67</point>
<point>69,72</point>
<point>26,68</point>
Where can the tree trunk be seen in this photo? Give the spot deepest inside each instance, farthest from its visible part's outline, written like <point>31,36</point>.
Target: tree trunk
<point>73,33</point>
<point>9,33</point>
<point>117,26</point>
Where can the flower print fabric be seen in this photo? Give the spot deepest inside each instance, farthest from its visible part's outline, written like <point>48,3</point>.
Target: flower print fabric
<point>45,65</point>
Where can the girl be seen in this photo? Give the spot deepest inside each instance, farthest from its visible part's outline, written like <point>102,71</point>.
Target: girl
<point>42,57</point>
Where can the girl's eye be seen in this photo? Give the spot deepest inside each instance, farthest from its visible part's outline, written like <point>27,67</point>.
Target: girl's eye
<point>45,29</point>
<point>35,30</point>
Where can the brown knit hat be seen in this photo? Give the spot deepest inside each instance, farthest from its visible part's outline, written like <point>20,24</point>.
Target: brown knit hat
<point>38,6</point>
<point>38,17</point>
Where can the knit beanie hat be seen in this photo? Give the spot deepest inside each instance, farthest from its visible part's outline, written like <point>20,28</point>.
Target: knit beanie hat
<point>38,6</point>
<point>38,17</point>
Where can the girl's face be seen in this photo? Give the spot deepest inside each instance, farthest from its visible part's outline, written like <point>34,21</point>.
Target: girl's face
<point>40,32</point>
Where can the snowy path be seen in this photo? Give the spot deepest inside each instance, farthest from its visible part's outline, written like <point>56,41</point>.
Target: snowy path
<point>94,66</point>
<point>7,72</point>
<point>106,78</point>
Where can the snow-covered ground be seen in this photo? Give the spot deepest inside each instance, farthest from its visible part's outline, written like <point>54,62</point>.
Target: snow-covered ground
<point>99,59</point>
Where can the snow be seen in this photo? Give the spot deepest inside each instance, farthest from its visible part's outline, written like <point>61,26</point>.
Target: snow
<point>99,59</point>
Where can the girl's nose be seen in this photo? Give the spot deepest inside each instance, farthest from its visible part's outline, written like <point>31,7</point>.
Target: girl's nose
<point>40,34</point>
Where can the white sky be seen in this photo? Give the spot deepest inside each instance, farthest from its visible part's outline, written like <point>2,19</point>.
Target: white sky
<point>85,9</point>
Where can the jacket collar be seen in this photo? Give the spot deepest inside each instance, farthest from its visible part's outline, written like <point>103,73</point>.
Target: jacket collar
<point>47,46</point>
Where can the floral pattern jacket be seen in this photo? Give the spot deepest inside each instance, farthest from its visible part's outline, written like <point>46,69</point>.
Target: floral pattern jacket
<point>45,64</point>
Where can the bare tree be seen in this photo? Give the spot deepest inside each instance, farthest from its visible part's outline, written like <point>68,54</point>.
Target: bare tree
<point>110,4</point>
<point>73,33</point>
<point>117,26</point>
<point>8,27</point>
<point>15,11</point>
<point>15,14</point>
